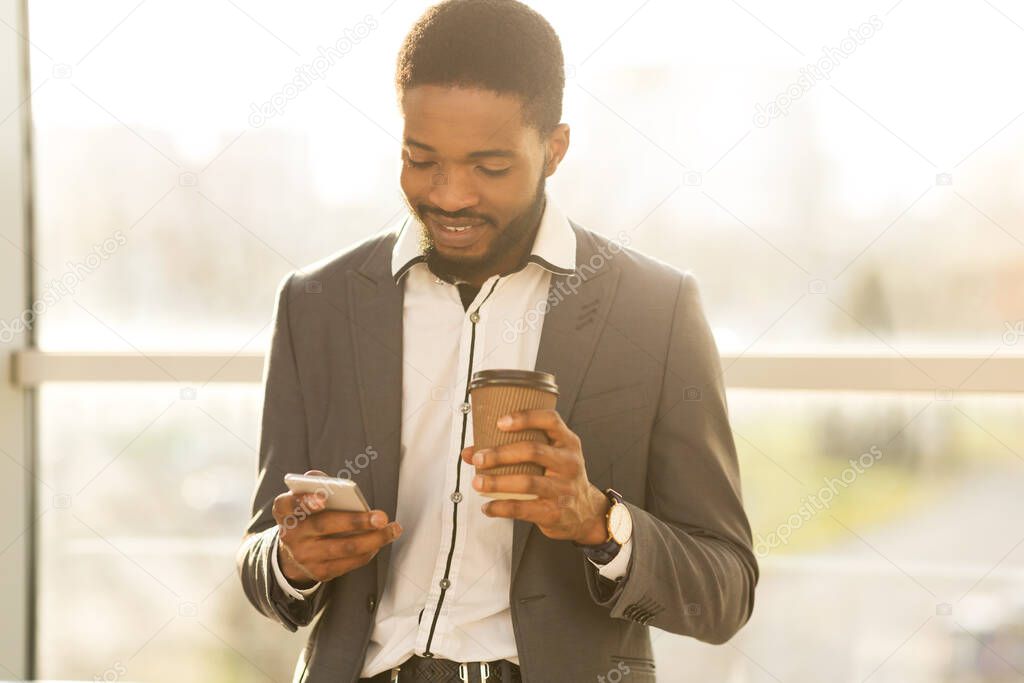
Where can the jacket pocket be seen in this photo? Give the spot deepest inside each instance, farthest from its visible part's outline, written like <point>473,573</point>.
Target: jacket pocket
<point>634,663</point>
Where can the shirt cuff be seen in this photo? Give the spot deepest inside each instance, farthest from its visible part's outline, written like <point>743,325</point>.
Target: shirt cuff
<point>616,568</point>
<point>286,586</point>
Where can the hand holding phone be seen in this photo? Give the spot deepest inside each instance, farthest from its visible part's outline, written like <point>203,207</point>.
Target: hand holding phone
<point>337,494</point>
<point>318,542</point>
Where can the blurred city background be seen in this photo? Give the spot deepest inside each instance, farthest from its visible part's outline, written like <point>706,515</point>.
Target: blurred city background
<point>872,206</point>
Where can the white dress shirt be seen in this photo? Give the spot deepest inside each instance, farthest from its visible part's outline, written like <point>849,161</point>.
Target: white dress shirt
<point>435,492</point>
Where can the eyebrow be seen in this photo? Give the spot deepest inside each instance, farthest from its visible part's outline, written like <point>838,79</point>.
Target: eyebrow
<point>504,153</point>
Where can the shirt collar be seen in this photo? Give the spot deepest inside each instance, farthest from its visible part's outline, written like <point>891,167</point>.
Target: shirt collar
<point>554,246</point>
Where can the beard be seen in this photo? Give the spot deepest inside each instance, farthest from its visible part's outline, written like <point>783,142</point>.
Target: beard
<point>512,238</point>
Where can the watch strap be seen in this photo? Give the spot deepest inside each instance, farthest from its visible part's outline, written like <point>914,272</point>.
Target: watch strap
<point>605,552</point>
<point>602,553</point>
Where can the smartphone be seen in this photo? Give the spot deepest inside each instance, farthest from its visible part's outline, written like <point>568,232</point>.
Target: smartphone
<point>341,494</point>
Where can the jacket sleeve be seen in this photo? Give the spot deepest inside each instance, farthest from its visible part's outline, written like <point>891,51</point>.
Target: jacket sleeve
<point>692,569</point>
<point>283,448</point>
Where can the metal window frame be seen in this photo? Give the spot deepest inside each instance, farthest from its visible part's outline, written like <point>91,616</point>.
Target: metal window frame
<point>17,403</point>
<point>943,374</point>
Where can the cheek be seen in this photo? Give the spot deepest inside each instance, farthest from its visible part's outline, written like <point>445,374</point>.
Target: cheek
<point>409,183</point>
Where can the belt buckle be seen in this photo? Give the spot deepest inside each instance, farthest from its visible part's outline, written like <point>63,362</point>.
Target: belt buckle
<point>394,674</point>
<point>485,672</point>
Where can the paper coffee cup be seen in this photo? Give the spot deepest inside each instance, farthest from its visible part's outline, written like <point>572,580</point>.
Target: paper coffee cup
<point>495,393</point>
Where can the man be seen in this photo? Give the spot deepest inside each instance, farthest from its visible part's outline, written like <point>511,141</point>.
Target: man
<point>638,519</point>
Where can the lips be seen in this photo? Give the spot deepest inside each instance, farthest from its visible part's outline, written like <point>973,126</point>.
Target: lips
<point>455,238</point>
<point>457,222</point>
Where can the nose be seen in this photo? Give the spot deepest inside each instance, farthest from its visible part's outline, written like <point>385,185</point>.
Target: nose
<point>451,191</point>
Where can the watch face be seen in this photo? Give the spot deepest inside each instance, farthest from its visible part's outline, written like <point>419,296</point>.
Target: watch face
<point>620,524</point>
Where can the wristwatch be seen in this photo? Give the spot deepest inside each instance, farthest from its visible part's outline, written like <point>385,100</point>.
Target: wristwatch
<point>619,526</point>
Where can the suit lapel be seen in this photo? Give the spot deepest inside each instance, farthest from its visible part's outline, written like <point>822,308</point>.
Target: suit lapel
<point>376,328</point>
<point>578,307</point>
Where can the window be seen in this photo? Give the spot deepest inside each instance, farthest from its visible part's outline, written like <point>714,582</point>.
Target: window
<point>864,216</point>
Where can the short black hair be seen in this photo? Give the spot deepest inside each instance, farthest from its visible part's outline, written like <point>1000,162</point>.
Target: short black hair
<point>499,45</point>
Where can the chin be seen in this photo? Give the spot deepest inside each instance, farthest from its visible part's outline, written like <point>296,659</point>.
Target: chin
<point>459,258</point>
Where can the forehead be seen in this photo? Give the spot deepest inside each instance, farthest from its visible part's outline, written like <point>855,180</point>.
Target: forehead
<point>458,121</point>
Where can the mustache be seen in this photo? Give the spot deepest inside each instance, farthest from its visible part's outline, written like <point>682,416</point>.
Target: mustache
<point>452,217</point>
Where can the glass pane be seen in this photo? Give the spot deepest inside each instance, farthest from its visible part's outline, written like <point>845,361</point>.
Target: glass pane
<point>904,565</point>
<point>143,499</point>
<point>166,210</point>
<point>855,213</point>
<point>144,495</point>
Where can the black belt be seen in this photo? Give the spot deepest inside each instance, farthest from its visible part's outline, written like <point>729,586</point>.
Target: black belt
<point>418,669</point>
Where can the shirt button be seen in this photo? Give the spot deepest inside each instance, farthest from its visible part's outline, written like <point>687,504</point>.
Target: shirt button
<point>474,317</point>
<point>465,407</point>
<point>445,584</point>
<point>371,602</point>
<point>456,497</point>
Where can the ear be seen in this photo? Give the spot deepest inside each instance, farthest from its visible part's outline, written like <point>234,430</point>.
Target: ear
<point>555,148</point>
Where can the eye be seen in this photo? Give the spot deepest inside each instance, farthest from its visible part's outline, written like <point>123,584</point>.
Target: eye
<point>490,172</point>
<point>419,164</point>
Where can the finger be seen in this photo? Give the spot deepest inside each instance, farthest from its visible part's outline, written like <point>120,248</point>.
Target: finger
<point>537,452</point>
<point>544,487</point>
<point>358,544</point>
<point>317,500</point>
<point>467,454</point>
<point>545,419</point>
<point>284,506</point>
<point>308,503</point>
<point>536,511</point>
<point>294,507</point>
<point>290,562</point>
<point>336,521</point>
<point>311,502</point>
<point>289,503</point>
<point>333,568</point>
<point>308,549</point>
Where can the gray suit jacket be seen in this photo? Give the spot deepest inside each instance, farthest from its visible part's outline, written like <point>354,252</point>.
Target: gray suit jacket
<point>640,382</point>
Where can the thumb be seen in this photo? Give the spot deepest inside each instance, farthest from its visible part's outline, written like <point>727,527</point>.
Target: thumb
<point>315,473</point>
